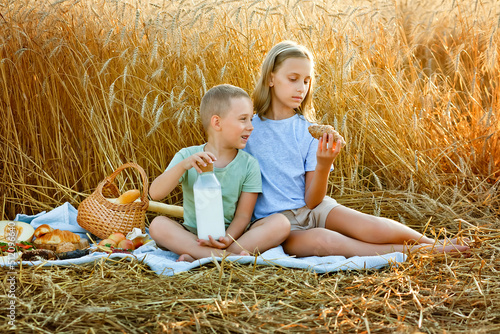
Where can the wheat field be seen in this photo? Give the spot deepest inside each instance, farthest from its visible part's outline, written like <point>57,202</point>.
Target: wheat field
<point>413,86</point>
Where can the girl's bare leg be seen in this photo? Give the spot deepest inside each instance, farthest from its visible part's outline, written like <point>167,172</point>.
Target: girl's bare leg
<point>324,242</point>
<point>372,229</point>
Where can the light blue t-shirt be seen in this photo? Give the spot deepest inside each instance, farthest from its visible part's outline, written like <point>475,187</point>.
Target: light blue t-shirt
<point>286,151</point>
<point>241,174</point>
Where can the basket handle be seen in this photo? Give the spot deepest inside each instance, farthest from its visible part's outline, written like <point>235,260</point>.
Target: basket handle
<point>111,178</point>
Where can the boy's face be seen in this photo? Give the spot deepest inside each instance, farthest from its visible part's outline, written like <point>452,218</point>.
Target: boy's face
<point>236,122</point>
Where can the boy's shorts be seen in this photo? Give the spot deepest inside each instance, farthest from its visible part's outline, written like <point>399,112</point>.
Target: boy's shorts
<point>304,218</point>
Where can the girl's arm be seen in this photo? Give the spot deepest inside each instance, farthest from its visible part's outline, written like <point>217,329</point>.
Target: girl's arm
<point>317,181</point>
<point>242,218</point>
<point>169,179</point>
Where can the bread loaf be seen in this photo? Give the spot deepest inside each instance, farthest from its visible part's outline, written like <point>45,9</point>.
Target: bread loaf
<point>56,237</point>
<point>128,196</point>
<point>65,247</point>
<point>318,130</point>
<point>43,229</point>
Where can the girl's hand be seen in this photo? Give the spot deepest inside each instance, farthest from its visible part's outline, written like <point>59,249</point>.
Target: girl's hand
<point>328,150</point>
<point>201,158</point>
<point>221,243</point>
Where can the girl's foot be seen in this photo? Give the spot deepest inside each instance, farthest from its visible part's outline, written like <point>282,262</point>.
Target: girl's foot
<point>440,248</point>
<point>455,241</point>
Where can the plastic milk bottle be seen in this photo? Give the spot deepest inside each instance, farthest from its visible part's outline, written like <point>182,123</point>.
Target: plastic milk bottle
<point>208,204</point>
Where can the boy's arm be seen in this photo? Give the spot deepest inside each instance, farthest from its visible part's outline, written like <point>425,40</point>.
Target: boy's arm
<point>166,182</point>
<point>169,179</point>
<point>243,215</point>
<point>317,181</point>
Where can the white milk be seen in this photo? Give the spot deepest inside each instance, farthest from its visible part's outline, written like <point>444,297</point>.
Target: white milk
<point>209,209</point>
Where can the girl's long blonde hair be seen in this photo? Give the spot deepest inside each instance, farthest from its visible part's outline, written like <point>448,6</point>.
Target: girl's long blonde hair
<point>277,55</point>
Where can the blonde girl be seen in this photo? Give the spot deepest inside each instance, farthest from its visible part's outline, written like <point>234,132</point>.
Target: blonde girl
<point>295,168</point>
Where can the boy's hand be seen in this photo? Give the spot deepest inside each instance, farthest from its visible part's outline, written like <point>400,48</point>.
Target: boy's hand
<point>221,243</point>
<point>201,158</point>
<point>328,150</point>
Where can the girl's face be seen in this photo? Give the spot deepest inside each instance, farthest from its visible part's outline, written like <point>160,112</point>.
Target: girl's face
<point>290,83</point>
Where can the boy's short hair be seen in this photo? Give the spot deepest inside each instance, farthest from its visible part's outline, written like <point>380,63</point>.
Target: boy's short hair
<point>217,101</point>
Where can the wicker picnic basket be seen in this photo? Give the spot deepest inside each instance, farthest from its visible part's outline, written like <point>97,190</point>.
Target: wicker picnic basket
<point>101,217</point>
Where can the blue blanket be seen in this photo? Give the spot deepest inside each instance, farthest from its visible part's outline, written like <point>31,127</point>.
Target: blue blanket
<point>165,262</point>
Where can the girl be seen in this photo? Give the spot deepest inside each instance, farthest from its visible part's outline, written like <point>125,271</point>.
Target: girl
<point>295,169</point>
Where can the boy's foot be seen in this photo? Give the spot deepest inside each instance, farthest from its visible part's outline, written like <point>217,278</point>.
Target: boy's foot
<point>185,258</point>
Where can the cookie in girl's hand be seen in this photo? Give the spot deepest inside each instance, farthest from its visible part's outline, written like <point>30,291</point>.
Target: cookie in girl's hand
<point>318,130</point>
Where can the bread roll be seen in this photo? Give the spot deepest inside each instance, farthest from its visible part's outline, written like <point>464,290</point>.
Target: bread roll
<point>57,236</point>
<point>43,229</point>
<point>318,130</point>
<point>128,196</point>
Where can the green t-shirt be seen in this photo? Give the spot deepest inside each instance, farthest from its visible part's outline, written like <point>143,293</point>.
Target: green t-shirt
<point>241,174</point>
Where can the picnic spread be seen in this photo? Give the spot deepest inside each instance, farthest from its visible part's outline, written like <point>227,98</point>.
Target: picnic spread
<point>163,262</point>
<point>110,225</point>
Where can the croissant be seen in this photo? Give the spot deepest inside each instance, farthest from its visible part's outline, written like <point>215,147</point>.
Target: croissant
<point>42,229</point>
<point>57,236</point>
<point>318,130</point>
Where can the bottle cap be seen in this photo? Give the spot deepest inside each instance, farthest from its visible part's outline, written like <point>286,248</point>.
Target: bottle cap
<point>208,168</point>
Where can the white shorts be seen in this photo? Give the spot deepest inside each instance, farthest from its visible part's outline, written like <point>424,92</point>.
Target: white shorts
<point>304,218</point>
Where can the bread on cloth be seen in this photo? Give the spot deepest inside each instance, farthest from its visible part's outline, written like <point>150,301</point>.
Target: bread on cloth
<point>56,237</point>
<point>42,229</point>
<point>318,130</point>
<point>38,255</point>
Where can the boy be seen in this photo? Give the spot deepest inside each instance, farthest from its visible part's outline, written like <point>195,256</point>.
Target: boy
<point>226,113</point>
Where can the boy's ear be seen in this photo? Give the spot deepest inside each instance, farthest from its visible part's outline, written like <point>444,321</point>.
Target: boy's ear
<point>215,122</point>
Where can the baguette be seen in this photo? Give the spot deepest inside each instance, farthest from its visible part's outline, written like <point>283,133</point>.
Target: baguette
<point>128,196</point>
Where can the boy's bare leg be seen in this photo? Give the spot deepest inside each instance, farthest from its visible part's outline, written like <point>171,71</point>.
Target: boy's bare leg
<point>171,235</point>
<point>324,242</point>
<point>264,234</point>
